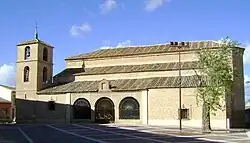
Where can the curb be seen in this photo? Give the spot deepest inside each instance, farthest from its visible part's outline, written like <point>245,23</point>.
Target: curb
<point>248,133</point>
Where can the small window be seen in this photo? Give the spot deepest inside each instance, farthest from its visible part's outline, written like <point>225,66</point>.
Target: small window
<point>103,86</point>
<point>27,52</point>
<point>51,105</point>
<point>26,74</point>
<point>45,54</point>
<point>184,113</point>
<point>45,74</point>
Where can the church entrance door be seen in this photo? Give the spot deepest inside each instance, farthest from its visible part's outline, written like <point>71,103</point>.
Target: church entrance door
<point>104,110</point>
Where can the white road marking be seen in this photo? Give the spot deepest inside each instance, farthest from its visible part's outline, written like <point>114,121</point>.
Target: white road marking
<point>130,136</point>
<point>25,135</point>
<point>118,139</point>
<point>76,130</point>
<point>238,139</point>
<point>194,141</point>
<point>206,139</point>
<point>99,135</point>
<point>84,137</point>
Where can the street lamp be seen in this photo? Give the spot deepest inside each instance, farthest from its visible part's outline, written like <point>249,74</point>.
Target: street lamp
<point>179,46</point>
<point>179,62</point>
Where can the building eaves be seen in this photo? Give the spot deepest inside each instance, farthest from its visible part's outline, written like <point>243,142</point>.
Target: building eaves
<point>8,87</point>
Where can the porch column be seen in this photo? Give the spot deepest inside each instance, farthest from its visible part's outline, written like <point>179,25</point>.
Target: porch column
<point>144,107</point>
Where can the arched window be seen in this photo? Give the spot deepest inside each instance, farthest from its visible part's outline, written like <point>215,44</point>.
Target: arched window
<point>45,74</point>
<point>45,54</point>
<point>26,74</point>
<point>27,52</point>
<point>82,109</point>
<point>129,108</point>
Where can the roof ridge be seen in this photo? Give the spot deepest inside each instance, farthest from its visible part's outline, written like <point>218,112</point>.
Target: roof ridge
<point>156,44</point>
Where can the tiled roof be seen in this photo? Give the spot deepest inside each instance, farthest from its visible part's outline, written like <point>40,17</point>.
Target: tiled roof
<point>138,50</point>
<point>4,100</point>
<point>123,85</point>
<point>8,87</point>
<point>69,71</point>
<point>34,41</point>
<point>139,68</point>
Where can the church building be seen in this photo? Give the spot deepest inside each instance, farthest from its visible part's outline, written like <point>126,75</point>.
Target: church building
<point>130,85</point>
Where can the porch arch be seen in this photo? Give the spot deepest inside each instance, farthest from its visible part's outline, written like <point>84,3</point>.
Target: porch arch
<point>104,110</point>
<point>81,109</point>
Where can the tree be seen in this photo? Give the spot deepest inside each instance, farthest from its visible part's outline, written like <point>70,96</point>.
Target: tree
<point>215,78</point>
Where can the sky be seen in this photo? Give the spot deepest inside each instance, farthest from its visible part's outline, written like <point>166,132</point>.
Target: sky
<point>80,26</point>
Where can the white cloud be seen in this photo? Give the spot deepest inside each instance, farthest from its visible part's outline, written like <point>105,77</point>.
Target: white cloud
<point>151,5</point>
<point>119,45</point>
<point>8,74</point>
<point>107,6</point>
<point>80,30</point>
<point>246,56</point>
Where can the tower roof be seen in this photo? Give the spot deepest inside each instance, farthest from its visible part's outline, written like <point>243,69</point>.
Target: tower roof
<point>34,41</point>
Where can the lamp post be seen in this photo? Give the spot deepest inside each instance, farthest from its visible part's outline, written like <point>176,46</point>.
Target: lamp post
<point>179,55</point>
<point>179,46</point>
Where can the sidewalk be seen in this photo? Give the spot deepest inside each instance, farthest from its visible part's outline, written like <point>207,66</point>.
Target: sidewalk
<point>185,129</point>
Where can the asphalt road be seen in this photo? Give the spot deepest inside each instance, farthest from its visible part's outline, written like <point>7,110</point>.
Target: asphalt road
<point>93,133</point>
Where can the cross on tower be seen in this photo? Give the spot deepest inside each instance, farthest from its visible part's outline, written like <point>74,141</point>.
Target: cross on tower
<point>36,32</point>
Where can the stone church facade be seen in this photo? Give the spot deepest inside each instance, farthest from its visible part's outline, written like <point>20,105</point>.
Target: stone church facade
<point>137,84</point>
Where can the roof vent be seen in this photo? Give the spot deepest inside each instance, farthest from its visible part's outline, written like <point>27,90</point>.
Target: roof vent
<point>176,43</point>
<point>171,43</point>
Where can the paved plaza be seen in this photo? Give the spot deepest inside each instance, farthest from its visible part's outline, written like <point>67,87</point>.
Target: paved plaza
<point>111,133</point>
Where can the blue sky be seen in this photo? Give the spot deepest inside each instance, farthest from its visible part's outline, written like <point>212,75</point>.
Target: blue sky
<point>80,26</point>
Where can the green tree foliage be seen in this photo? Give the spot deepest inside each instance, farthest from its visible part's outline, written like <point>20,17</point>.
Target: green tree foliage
<point>215,78</point>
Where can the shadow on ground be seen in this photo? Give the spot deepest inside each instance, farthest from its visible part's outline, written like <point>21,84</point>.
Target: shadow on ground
<point>84,133</point>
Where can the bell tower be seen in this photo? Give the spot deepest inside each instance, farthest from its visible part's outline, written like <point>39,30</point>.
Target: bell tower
<point>34,67</point>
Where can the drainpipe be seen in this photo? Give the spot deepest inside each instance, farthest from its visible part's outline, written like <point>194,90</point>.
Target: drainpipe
<point>70,111</point>
<point>147,106</point>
